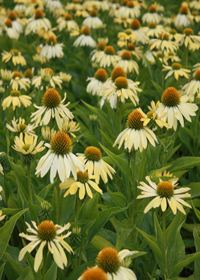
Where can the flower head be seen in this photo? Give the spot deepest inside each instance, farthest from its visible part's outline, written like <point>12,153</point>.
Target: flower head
<point>93,273</point>
<point>20,126</point>
<point>16,99</point>
<point>15,55</point>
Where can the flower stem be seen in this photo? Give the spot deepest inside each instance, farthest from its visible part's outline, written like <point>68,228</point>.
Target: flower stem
<point>58,200</point>
<point>164,245</point>
<point>29,181</point>
<point>143,164</point>
<point>134,188</point>
<point>128,175</point>
<point>77,209</point>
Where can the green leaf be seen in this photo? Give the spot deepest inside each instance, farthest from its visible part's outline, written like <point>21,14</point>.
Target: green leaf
<point>100,243</point>
<point>90,209</point>
<point>120,240</point>
<point>6,231</point>
<point>2,269</point>
<point>17,267</point>
<point>158,231</point>
<point>27,275</point>
<point>118,198</point>
<point>51,273</point>
<point>184,163</point>
<point>196,262</point>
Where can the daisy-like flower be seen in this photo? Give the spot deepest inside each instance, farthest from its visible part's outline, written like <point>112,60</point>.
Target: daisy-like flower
<point>127,63</point>
<point>27,146</point>
<point>111,262</point>
<point>176,107</point>
<point>37,22</point>
<point>47,234</point>
<point>171,56</point>
<point>47,133</point>
<point>152,15</point>
<point>53,107</point>
<point>93,21</point>
<point>53,5</point>
<point>135,51</point>
<point>195,4</point>
<point>15,23</point>
<point>46,78</point>
<point>176,70</point>
<point>94,164</point>
<point>52,49</point>
<point>135,136</point>
<point>59,159</point>
<point>67,23</point>
<point>94,273</point>
<point>164,193</point>
<point>182,20</point>
<point>9,29</point>
<point>96,83</point>
<point>154,30</point>
<point>163,43</point>
<point>99,49</point>
<point>126,37</point>
<point>20,126</point>
<point>193,86</point>
<point>69,127</point>
<point>85,39</point>
<point>16,99</point>
<point>132,10</point>
<point>188,38</point>
<point>194,17</point>
<point>2,216</point>
<point>6,75</point>
<point>107,57</point>
<point>65,77</point>
<point>82,184</point>
<point>18,81</point>
<point>139,31</point>
<point>15,55</point>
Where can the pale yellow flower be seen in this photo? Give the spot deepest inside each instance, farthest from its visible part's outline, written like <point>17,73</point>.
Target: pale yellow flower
<point>176,71</point>
<point>16,99</point>
<point>15,55</point>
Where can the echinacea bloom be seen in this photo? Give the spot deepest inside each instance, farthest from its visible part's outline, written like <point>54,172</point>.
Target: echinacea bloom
<point>95,85</point>
<point>182,20</point>
<point>65,77</point>
<point>111,262</point>
<point>93,21</point>
<point>67,23</point>
<point>15,23</point>
<point>47,235</point>
<point>94,164</point>
<point>83,184</point>
<point>176,107</point>
<point>27,146</point>
<point>20,126</point>
<point>16,99</point>
<point>154,30</point>
<point>6,75</point>
<point>69,126</point>
<point>47,133</point>
<point>47,77</point>
<point>85,39</point>
<point>2,216</point>
<point>94,273</point>
<point>126,37</point>
<point>132,10</point>
<point>107,57</point>
<point>163,43</point>
<point>18,81</point>
<point>188,38</point>
<point>9,29</point>
<point>176,71</point>
<point>127,63</point>
<point>152,15</point>
<point>135,136</point>
<point>193,86</point>
<point>53,107</point>
<point>16,57</point>
<point>139,31</point>
<point>52,49</point>
<point>59,158</point>
<point>164,193</point>
<point>37,22</point>
<point>99,49</point>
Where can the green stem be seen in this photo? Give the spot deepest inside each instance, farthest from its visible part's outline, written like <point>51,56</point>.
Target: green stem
<point>164,148</point>
<point>77,209</point>
<point>128,175</point>
<point>143,164</point>
<point>197,133</point>
<point>164,245</point>
<point>58,200</point>
<point>119,112</point>
<point>186,56</point>
<point>134,188</point>
<point>29,181</point>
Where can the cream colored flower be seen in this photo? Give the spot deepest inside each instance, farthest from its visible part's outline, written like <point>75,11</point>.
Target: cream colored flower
<point>127,63</point>
<point>193,86</point>
<point>164,194</point>
<point>93,21</point>
<point>46,78</point>
<point>154,30</point>
<point>94,164</point>
<point>6,75</point>
<point>107,57</point>
<point>52,49</point>
<point>152,15</point>
<point>59,159</point>
<point>9,29</point>
<point>182,20</point>
<point>67,23</point>
<point>85,39</point>
<point>47,133</point>
<point>139,31</point>
<point>163,43</point>
<point>176,71</point>
<point>16,56</point>
<point>188,38</point>
<point>95,85</point>
<point>65,77</point>
<point>82,184</point>
<point>19,82</point>
<point>37,22</point>
<point>69,126</point>
<point>53,108</point>
<point>47,234</point>
<point>16,99</point>
<point>20,126</point>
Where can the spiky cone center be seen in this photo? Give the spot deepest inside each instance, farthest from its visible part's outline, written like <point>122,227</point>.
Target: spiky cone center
<point>108,260</point>
<point>101,46</point>
<point>22,127</point>
<point>184,10</point>
<point>51,40</point>
<point>94,273</point>
<point>135,24</point>
<point>124,2</point>
<point>152,25</point>
<point>188,31</point>
<point>164,36</point>
<point>165,189</point>
<point>197,75</point>
<point>121,82</point>
<point>93,13</point>
<point>101,75</point>
<point>68,17</point>
<point>86,31</point>
<point>39,14</point>
<point>134,120</point>
<point>194,13</point>
<point>15,93</point>
<point>176,66</point>
<point>173,31</point>
<point>170,97</point>
<point>109,50</point>
<point>117,72</point>
<point>61,143</point>
<point>17,74</point>
<point>12,15</point>
<point>82,177</point>
<point>92,153</point>
<point>130,4</point>
<point>152,9</point>
<point>28,73</point>
<point>126,55</point>
<point>51,98</point>
<point>8,22</point>
<point>46,230</point>
<point>21,16</point>
<point>49,71</point>
<point>159,54</point>
<point>25,147</point>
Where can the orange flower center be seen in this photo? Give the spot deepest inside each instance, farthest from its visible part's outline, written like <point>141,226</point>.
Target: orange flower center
<point>51,40</point>
<point>197,75</point>
<point>176,66</point>
<point>14,52</point>
<point>101,75</point>
<point>152,9</point>
<point>184,10</point>
<point>15,93</point>
<point>46,230</point>
<point>135,24</point>
<point>134,120</point>
<point>12,15</point>
<point>194,13</point>
<point>124,2</point>
<point>152,25</point>
<point>39,14</point>
<point>61,143</point>
<point>117,72</point>
<point>165,189</point>
<point>16,74</point>
<point>28,73</point>
<point>131,47</point>
<point>170,97</point>
<point>109,50</point>
<point>164,36</point>
<point>108,260</point>
<point>126,55</point>
<point>68,17</point>
<point>94,273</point>
<point>93,13</point>
<point>51,98</point>
<point>92,153</point>
<point>188,31</point>
<point>130,4</point>
<point>49,71</point>
<point>82,177</point>
<point>121,82</point>
<point>8,22</point>
<point>101,46</point>
<point>85,30</point>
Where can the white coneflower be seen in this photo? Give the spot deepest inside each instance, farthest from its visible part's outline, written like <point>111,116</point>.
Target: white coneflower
<point>85,39</point>
<point>15,55</point>
<point>152,15</point>
<point>176,70</point>
<point>107,57</point>
<point>20,126</point>
<point>193,86</point>
<point>52,49</point>
<point>139,31</point>
<point>96,83</point>
<point>37,22</point>
<point>93,21</point>
<point>182,20</point>
<point>127,63</point>
<point>16,99</point>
